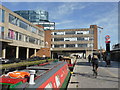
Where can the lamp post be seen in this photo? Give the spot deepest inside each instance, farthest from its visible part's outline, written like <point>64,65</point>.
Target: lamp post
<point>99,42</point>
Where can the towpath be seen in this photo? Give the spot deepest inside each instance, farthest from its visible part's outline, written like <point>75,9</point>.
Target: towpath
<point>82,78</point>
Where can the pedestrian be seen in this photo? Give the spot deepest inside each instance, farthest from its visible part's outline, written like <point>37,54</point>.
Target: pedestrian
<point>89,58</point>
<point>95,62</point>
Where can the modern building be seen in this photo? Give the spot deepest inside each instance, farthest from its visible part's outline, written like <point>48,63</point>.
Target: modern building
<point>47,25</point>
<point>38,17</point>
<point>115,52</point>
<point>80,42</point>
<point>18,37</point>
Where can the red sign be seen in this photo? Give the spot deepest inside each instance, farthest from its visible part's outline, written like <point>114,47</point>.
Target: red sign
<point>107,37</point>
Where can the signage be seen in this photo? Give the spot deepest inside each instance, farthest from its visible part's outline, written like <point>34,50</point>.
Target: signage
<point>107,38</point>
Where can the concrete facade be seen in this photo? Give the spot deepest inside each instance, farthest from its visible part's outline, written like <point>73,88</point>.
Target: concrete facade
<point>19,35</point>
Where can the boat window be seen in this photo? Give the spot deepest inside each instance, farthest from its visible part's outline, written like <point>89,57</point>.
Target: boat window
<point>48,86</point>
<point>57,80</point>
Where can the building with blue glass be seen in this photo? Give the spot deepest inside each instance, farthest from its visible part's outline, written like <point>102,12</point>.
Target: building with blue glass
<point>38,17</point>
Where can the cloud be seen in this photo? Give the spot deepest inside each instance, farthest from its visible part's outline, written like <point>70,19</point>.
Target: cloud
<point>66,9</point>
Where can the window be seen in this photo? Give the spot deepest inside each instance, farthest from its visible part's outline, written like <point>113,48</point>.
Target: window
<point>80,39</point>
<point>58,33</point>
<point>40,33</point>
<point>16,38</point>
<point>58,39</point>
<point>23,25</point>
<point>82,45</point>
<point>12,19</point>
<point>31,39</point>
<point>59,46</point>
<point>20,36</point>
<point>90,45</point>
<point>70,45</point>
<point>57,80</point>
<point>70,39</point>
<point>11,34</point>
<point>91,38</point>
<point>2,15</point>
<point>1,32</point>
<point>82,32</point>
<point>70,32</point>
<point>26,39</point>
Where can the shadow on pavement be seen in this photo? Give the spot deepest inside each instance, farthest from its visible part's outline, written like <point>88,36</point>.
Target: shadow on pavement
<point>113,64</point>
<point>92,77</point>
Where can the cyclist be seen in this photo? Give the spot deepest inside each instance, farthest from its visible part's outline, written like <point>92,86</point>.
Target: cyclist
<point>95,63</point>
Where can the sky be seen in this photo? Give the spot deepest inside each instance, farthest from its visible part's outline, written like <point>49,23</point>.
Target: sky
<point>72,15</point>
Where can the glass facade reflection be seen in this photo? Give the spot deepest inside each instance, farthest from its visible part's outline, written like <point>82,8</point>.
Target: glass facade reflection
<point>33,15</point>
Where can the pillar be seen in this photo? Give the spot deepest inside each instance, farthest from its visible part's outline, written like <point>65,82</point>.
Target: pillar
<point>35,52</point>
<point>27,55</point>
<point>17,52</point>
<point>4,52</point>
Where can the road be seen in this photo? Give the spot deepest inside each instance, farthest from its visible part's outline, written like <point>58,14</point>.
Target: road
<point>83,76</point>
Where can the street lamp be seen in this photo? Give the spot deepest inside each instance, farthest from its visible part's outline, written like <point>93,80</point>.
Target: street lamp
<point>99,42</point>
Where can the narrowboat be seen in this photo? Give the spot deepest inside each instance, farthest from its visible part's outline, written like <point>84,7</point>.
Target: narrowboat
<point>70,61</point>
<point>53,75</point>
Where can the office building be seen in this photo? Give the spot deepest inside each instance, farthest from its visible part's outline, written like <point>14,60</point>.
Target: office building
<point>38,17</point>
<point>19,38</point>
<point>81,42</point>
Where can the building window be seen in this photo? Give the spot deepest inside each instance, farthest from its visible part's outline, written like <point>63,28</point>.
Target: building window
<point>1,32</point>
<point>91,38</point>
<point>31,40</point>
<point>80,39</point>
<point>23,25</point>
<point>82,45</point>
<point>11,34</point>
<point>12,19</point>
<point>70,32</point>
<point>59,46</point>
<point>82,32</point>
<point>58,39</point>
<point>70,45</point>
<point>26,38</point>
<point>20,36</point>
<point>2,15</point>
<point>58,33</point>
<point>70,39</point>
<point>40,33</point>
<point>16,38</point>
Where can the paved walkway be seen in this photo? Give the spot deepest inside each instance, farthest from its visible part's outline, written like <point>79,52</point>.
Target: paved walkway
<point>83,75</point>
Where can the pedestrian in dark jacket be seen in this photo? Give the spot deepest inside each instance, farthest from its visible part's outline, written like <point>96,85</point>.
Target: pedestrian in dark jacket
<point>95,62</point>
<point>89,58</point>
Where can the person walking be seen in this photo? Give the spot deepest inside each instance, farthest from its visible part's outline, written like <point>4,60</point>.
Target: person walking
<point>95,64</point>
<point>89,58</point>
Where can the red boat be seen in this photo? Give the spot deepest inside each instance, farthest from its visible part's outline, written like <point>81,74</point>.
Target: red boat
<point>71,62</point>
<point>48,75</point>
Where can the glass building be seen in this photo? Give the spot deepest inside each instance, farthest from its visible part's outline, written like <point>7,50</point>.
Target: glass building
<point>37,17</point>
<point>33,15</point>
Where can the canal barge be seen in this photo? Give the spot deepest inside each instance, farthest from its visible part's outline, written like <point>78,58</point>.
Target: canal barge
<point>47,75</point>
<point>70,61</point>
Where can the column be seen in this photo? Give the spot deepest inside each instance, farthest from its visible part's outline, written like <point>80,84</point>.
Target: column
<point>17,52</point>
<point>27,55</point>
<point>4,52</point>
<point>35,52</point>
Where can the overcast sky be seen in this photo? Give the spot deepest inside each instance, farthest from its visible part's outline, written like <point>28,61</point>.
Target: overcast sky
<point>70,15</point>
